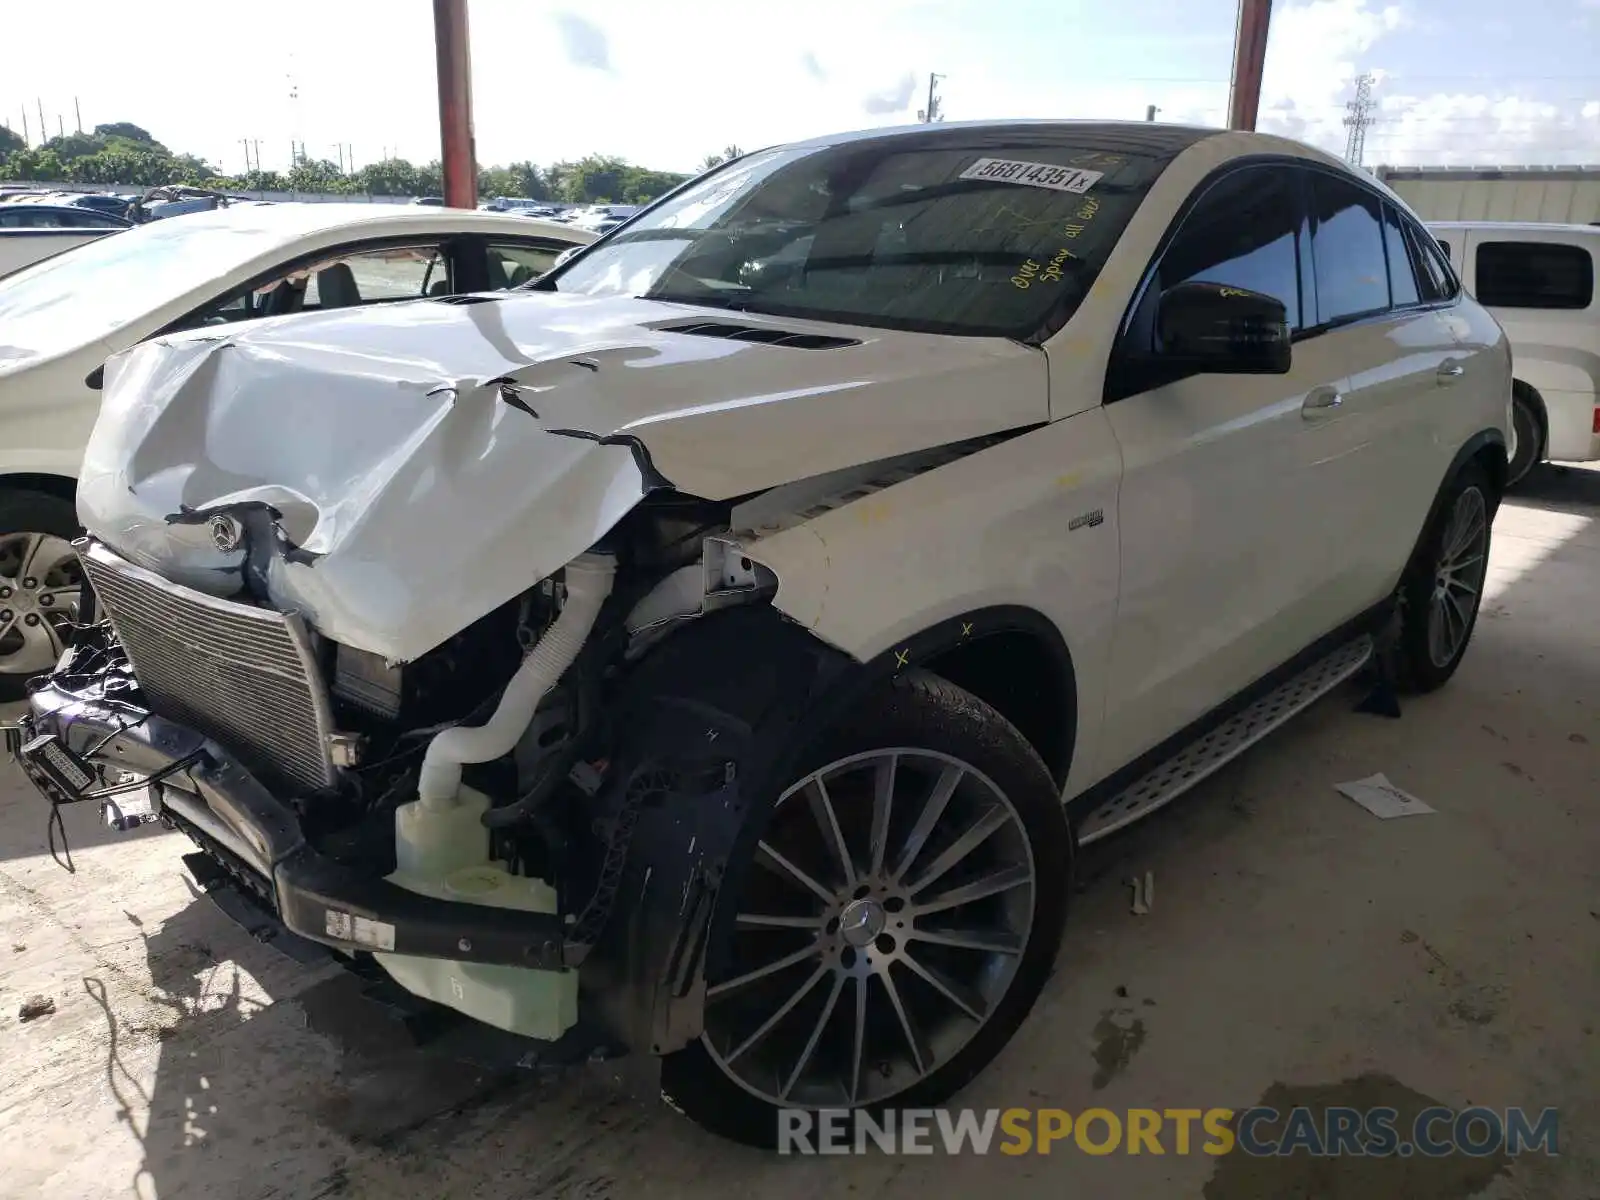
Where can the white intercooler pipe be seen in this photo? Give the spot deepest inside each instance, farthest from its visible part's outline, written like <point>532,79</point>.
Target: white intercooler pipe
<point>588,579</point>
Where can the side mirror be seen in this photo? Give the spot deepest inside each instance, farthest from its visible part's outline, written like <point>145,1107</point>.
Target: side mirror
<point>1207,328</point>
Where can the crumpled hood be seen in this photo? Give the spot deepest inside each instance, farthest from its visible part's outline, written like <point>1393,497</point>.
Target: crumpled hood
<point>430,460</point>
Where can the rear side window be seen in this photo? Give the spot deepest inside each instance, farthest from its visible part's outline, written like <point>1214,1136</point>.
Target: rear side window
<point>1347,246</point>
<point>1402,274</point>
<point>1534,275</point>
<point>1435,279</point>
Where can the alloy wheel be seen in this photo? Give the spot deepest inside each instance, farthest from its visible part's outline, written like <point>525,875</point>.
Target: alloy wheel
<point>40,582</point>
<point>1458,576</point>
<point>893,908</point>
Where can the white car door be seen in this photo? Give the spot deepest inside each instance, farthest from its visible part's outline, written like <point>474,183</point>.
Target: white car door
<point>1377,458</point>
<point>1221,544</point>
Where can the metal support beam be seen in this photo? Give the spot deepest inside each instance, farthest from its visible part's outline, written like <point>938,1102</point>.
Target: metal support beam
<point>1249,58</point>
<point>455,103</point>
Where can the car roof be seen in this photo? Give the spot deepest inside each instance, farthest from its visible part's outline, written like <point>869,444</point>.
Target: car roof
<point>1528,226</point>
<point>1156,138</point>
<point>298,219</point>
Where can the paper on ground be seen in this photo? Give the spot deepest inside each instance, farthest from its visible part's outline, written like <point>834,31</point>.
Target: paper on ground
<point>1381,798</point>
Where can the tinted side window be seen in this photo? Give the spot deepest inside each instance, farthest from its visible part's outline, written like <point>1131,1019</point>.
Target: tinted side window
<point>1434,277</point>
<point>1402,274</point>
<point>1534,275</point>
<point>1347,246</point>
<point>512,264</point>
<point>1243,233</point>
<point>1444,245</point>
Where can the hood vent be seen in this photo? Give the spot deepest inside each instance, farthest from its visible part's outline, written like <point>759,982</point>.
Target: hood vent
<point>767,337</point>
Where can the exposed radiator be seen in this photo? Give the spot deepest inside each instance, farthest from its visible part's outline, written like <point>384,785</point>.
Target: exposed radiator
<point>244,676</point>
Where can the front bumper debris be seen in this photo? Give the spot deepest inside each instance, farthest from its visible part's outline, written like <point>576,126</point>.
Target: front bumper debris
<point>259,838</point>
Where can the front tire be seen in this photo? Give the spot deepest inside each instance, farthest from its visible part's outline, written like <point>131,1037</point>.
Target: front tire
<point>1443,589</point>
<point>900,917</point>
<point>40,584</point>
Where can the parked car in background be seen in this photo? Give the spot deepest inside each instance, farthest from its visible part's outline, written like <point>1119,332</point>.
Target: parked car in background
<point>61,319</point>
<point>732,636</point>
<point>429,201</point>
<point>32,232</point>
<point>106,202</point>
<point>518,204</point>
<point>1539,282</point>
<point>603,218</point>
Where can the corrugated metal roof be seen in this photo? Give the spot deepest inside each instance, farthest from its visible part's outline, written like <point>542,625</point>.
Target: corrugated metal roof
<point>1554,195</point>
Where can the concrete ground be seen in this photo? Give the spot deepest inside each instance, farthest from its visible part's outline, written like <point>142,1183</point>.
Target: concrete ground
<point>1299,950</point>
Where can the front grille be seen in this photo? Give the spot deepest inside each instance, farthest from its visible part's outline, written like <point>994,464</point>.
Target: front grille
<point>243,676</point>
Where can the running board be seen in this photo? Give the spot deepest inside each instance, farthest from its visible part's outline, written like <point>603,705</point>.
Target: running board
<point>1199,759</point>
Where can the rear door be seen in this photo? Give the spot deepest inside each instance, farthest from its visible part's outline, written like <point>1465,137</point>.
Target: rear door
<point>1375,461</point>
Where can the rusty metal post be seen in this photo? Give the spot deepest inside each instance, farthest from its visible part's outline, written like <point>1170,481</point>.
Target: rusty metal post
<point>455,103</point>
<point>1249,58</point>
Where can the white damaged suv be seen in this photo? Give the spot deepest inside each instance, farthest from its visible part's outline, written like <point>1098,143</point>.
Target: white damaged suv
<point>726,642</point>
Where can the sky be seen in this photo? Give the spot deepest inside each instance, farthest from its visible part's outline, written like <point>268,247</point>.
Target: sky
<point>663,83</point>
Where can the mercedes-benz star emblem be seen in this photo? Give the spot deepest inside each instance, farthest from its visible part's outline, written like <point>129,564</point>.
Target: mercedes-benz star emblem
<point>226,532</point>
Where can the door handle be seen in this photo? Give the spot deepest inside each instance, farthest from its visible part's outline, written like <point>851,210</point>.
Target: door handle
<point>1450,370</point>
<point>1321,402</point>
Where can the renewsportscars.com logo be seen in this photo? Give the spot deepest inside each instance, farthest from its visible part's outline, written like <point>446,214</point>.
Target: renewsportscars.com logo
<point>1260,1131</point>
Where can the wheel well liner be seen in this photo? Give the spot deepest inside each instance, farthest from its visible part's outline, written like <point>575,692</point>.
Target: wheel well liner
<point>1013,659</point>
<point>58,486</point>
<point>712,724</point>
<point>1541,413</point>
<point>1487,448</point>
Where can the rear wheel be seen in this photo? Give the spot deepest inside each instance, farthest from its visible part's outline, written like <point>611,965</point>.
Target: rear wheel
<point>1442,591</point>
<point>1527,439</point>
<point>899,919</point>
<point>40,582</point>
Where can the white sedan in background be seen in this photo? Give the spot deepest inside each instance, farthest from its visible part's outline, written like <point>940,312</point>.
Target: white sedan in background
<point>60,319</point>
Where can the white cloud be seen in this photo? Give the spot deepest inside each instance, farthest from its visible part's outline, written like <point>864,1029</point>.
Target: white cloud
<point>895,99</point>
<point>584,41</point>
<point>1456,129</point>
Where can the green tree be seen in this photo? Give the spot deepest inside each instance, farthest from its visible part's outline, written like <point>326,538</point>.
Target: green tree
<point>729,153</point>
<point>391,177</point>
<point>127,130</point>
<point>41,165</point>
<point>10,142</point>
<point>595,179</point>
<point>319,175</point>
<point>75,145</point>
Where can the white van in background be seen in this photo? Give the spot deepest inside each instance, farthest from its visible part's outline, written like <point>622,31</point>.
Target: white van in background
<point>1539,282</point>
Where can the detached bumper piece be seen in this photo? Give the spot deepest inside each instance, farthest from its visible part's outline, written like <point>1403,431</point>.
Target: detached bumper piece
<point>68,737</point>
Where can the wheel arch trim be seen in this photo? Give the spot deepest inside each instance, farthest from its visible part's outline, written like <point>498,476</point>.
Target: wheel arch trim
<point>1471,450</point>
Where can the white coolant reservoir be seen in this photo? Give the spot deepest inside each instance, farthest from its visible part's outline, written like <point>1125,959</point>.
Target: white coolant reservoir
<point>444,852</point>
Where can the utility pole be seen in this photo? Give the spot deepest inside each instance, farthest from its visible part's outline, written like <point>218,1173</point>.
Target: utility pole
<point>1150,112</point>
<point>1249,58</point>
<point>934,111</point>
<point>454,67</point>
<point>44,130</point>
<point>1358,117</point>
<point>26,140</point>
<point>77,111</point>
<point>61,126</point>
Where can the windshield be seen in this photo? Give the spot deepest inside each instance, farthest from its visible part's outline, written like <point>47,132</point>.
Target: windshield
<point>92,290</point>
<point>990,239</point>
